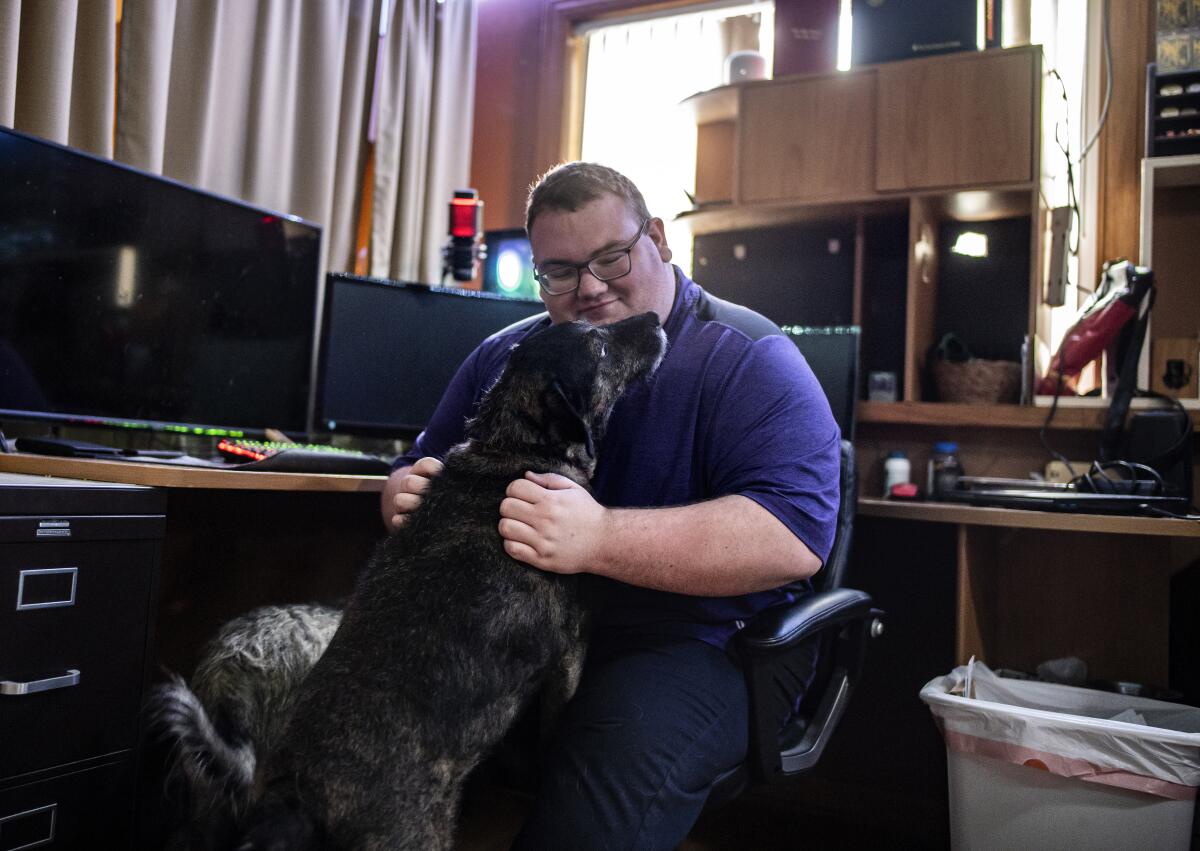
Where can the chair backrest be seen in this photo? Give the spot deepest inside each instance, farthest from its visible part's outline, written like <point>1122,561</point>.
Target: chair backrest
<point>833,573</point>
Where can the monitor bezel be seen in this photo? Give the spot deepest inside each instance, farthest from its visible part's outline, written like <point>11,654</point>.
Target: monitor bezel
<point>72,418</point>
<point>351,427</point>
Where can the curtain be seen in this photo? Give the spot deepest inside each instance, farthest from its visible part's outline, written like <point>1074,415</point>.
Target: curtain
<point>423,149</point>
<point>270,101</point>
<point>263,101</point>
<point>58,70</point>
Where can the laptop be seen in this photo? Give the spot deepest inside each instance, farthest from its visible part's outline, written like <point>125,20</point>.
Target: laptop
<point>1049,496</point>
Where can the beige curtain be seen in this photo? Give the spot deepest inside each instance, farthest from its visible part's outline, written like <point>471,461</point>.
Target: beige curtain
<point>58,70</point>
<point>263,101</point>
<point>423,146</point>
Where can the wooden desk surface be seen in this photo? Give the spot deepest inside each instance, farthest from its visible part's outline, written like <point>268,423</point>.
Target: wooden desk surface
<point>973,515</point>
<point>175,476</point>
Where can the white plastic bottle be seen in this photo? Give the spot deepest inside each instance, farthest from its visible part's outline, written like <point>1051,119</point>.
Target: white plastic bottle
<point>896,471</point>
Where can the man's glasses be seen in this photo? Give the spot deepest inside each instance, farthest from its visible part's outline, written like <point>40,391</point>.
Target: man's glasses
<point>563,278</point>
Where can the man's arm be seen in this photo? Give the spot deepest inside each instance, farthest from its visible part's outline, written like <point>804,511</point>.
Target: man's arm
<point>722,547</point>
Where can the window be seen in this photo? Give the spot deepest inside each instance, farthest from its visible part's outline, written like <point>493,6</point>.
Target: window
<point>637,72</point>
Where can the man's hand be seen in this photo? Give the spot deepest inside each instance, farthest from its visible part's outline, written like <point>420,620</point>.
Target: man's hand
<point>552,523</point>
<point>408,493</point>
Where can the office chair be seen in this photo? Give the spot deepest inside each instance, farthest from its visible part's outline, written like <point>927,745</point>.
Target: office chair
<point>776,649</point>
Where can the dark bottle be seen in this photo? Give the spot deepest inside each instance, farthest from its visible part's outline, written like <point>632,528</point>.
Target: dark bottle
<point>944,469</point>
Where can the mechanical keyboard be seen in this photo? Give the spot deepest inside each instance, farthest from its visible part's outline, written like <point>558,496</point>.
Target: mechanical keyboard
<point>271,456</point>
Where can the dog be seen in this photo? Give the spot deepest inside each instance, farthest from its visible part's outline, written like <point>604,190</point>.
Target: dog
<point>442,644</point>
<point>235,709</point>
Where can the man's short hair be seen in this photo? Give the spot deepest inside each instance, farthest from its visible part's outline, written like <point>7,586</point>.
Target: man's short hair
<point>570,186</point>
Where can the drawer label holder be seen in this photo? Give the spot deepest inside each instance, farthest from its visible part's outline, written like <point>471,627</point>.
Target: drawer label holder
<point>46,588</point>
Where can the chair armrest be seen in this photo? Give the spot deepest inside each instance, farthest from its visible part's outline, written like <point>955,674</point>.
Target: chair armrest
<point>776,650</point>
<point>784,627</point>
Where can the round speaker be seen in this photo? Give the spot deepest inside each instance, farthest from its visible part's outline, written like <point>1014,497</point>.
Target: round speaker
<point>743,65</point>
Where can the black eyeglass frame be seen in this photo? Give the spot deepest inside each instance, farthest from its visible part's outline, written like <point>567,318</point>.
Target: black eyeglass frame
<point>578,268</point>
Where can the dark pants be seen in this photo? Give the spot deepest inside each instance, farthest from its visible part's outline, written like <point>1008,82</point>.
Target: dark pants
<point>639,746</point>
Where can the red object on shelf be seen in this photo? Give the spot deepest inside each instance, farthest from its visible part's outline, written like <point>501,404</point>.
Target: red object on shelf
<point>1117,300</point>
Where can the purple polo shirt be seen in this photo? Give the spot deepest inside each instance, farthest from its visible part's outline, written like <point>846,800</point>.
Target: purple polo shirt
<point>733,409</point>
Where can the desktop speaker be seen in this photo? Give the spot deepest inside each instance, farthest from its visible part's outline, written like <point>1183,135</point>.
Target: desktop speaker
<point>1162,439</point>
<point>887,30</point>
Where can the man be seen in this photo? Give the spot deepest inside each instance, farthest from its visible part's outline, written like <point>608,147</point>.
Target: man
<point>731,442</point>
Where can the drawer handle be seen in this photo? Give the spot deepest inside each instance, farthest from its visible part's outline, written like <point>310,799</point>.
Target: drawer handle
<point>12,687</point>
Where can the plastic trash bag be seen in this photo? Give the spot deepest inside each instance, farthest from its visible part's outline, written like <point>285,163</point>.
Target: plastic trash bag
<point>1070,731</point>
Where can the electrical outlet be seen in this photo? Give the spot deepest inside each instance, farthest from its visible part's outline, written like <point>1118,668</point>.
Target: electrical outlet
<point>1056,280</point>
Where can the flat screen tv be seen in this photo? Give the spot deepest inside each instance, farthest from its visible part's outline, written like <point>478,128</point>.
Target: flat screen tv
<point>389,349</point>
<point>132,301</point>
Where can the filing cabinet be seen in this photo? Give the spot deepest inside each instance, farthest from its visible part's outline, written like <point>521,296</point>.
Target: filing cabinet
<point>78,573</point>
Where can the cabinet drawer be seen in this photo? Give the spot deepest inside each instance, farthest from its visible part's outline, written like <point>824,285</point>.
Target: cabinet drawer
<point>83,809</point>
<point>808,140</point>
<point>71,607</point>
<point>961,121</point>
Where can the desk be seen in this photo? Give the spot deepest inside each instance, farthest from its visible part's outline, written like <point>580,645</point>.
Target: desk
<point>1036,585</point>
<point>1029,586</point>
<point>1014,588</point>
<point>178,476</point>
<point>237,539</point>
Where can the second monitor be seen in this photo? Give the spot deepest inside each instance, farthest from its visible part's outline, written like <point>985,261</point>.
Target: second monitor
<point>389,350</point>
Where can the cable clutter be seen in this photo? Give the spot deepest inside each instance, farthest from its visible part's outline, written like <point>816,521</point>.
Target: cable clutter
<point>1153,455</point>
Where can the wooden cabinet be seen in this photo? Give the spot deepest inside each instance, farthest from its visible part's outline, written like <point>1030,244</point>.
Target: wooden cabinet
<point>962,121</point>
<point>930,149</point>
<point>965,120</point>
<point>809,139</point>
<point>78,567</point>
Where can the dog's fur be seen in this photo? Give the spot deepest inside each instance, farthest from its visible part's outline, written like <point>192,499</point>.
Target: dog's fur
<point>240,696</point>
<point>444,641</point>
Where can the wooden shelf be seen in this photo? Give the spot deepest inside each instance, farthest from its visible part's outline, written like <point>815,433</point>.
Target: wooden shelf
<point>719,104</point>
<point>1067,417</point>
<point>989,416</point>
<point>1173,171</point>
<point>177,476</point>
<point>718,218</point>
<point>971,515</point>
<point>980,205</point>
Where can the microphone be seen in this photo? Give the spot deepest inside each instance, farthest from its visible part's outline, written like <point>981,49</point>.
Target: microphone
<point>464,249</point>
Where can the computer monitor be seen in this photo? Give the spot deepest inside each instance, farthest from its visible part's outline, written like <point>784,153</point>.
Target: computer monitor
<point>832,352</point>
<point>389,349</point>
<point>128,300</point>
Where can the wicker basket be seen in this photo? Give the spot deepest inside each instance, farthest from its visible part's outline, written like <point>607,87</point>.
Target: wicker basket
<point>978,381</point>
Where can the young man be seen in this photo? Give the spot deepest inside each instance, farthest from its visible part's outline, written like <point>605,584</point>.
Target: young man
<point>715,497</point>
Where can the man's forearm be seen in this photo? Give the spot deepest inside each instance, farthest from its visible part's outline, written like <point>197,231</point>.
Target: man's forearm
<point>722,547</point>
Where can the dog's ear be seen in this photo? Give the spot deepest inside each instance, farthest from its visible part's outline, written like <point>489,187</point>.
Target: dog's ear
<point>568,419</point>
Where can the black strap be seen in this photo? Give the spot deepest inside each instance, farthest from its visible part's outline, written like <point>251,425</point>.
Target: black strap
<point>1114,421</point>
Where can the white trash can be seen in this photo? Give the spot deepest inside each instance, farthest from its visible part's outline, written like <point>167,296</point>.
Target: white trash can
<point>1036,765</point>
